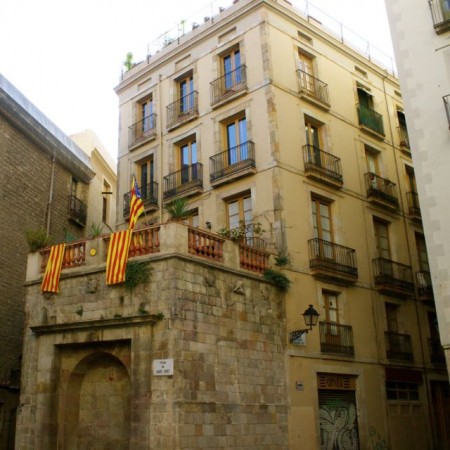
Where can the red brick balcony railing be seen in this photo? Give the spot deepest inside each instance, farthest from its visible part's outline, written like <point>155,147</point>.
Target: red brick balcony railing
<point>169,238</point>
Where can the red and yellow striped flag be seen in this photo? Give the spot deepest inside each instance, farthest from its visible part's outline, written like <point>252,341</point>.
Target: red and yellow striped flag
<point>116,261</point>
<point>136,204</point>
<point>50,283</point>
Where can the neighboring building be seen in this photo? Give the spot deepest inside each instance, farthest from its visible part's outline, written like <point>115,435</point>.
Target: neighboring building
<point>421,42</point>
<point>261,118</point>
<point>44,184</point>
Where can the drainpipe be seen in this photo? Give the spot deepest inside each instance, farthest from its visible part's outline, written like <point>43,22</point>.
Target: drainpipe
<point>50,195</point>
<point>160,148</point>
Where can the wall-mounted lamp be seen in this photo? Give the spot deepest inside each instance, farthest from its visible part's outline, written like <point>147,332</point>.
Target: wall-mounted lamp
<point>208,224</point>
<point>311,317</point>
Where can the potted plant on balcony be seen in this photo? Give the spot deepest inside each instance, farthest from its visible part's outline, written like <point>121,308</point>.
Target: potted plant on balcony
<point>178,209</point>
<point>239,233</point>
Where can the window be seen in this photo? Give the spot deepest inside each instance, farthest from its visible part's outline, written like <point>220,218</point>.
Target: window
<point>239,213</point>
<point>193,219</point>
<point>231,68</point>
<point>74,188</point>
<point>146,176</point>
<point>321,213</point>
<point>236,140</point>
<point>382,238</point>
<point>396,390</point>
<point>331,316</point>
<point>372,161</point>
<point>188,160</point>
<point>106,199</point>
<point>186,94</point>
<point>422,253</point>
<point>411,179</point>
<point>391,317</point>
<point>365,99</point>
<point>145,115</point>
<point>313,141</point>
<point>306,73</point>
<point>403,130</point>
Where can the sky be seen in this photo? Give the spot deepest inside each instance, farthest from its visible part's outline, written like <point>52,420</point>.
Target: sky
<point>66,57</point>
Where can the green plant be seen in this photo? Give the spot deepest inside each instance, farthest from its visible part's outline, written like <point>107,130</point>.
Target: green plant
<point>239,232</point>
<point>117,316</point>
<point>282,260</point>
<point>178,209</point>
<point>37,239</point>
<point>96,229</point>
<point>142,311</point>
<point>128,63</point>
<point>159,316</point>
<point>137,273</point>
<point>79,311</point>
<point>281,281</point>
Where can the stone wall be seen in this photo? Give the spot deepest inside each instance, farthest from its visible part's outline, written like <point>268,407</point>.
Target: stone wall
<point>224,330</point>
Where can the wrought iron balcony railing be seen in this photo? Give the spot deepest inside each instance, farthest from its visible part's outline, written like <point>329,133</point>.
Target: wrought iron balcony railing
<point>322,163</point>
<point>313,87</point>
<point>381,189</point>
<point>336,338</point>
<point>182,110</point>
<point>424,285</point>
<point>413,204</point>
<point>437,354</point>
<point>404,137</point>
<point>183,181</point>
<point>228,85</point>
<point>370,119</point>
<point>333,258</point>
<point>233,161</point>
<point>149,195</point>
<point>398,346</point>
<point>143,130</point>
<point>392,277</point>
<point>440,11</point>
<point>77,210</point>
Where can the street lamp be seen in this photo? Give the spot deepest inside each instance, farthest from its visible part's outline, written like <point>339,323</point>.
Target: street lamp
<point>311,317</point>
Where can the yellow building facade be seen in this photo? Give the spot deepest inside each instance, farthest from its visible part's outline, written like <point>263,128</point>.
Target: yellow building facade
<point>260,115</point>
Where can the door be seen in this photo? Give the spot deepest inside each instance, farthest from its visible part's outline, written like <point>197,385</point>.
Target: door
<point>236,134</point>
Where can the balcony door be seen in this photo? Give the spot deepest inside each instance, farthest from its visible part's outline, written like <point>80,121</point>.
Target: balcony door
<point>236,136</point>
<point>321,214</point>
<point>146,175</point>
<point>231,64</point>
<point>240,214</point>
<point>186,94</point>
<point>312,133</point>
<point>382,239</point>
<point>146,116</point>
<point>188,161</point>
<point>332,336</point>
<point>307,73</point>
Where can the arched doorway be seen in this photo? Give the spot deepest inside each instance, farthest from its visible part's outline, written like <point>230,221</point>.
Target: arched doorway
<point>97,405</point>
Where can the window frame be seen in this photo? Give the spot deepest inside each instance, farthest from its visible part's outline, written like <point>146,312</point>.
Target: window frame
<point>378,224</point>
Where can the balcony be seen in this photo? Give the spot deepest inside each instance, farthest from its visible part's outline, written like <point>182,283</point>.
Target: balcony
<point>77,211</point>
<point>322,166</point>
<point>413,205</point>
<point>332,262</point>
<point>440,11</point>
<point>185,182</point>
<point>229,86</point>
<point>424,286</point>
<point>398,346</point>
<point>335,338</point>
<point>370,121</point>
<point>381,191</point>
<point>183,110</point>
<point>233,163</point>
<point>404,138</point>
<point>313,89</point>
<point>437,354</point>
<point>142,131</point>
<point>393,278</point>
<point>149,195</point>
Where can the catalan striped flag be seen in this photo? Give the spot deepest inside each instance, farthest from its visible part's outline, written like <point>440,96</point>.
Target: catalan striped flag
<point>136,204</point>
<point>50,283</point>
<point>116,262</point>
